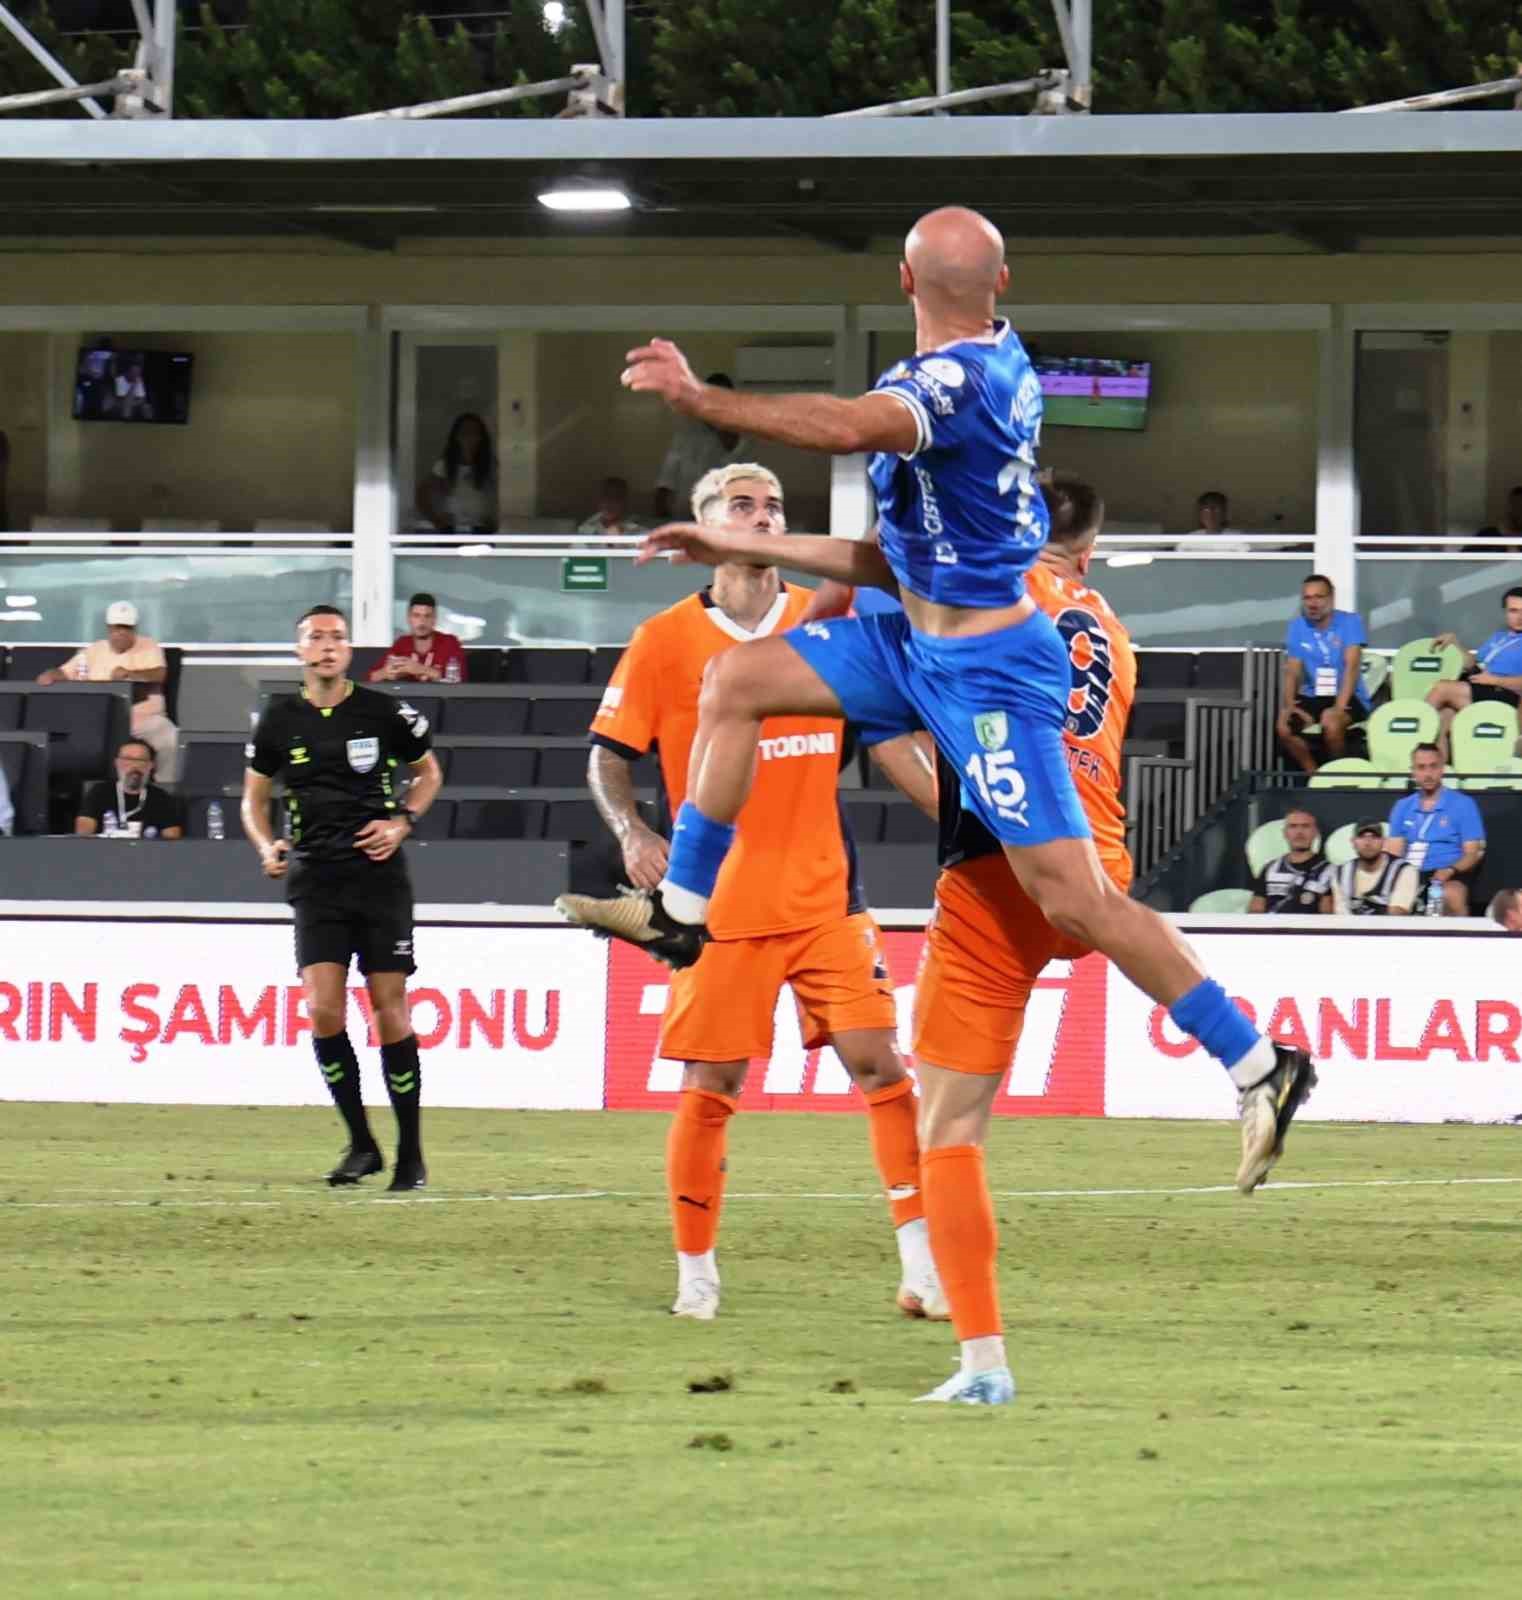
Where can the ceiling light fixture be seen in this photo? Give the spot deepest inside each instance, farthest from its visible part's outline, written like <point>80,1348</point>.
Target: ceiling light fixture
<point>584,198</point>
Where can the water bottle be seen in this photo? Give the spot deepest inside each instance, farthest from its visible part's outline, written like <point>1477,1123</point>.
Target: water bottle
<point>108,823</point>
<point>1434,906</point>
<point>452,671</point>
<point>215,828</point>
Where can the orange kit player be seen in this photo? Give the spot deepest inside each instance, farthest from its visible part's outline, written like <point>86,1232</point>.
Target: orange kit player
<point>987,942</point>
<point>787,908</point>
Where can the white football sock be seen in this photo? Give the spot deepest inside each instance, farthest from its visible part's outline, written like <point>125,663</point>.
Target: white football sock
<point>701,1268</point>
<point>683,904</point>
<point>1255,1066</point>
<point>983,1355</point>
<point>916,1263</point>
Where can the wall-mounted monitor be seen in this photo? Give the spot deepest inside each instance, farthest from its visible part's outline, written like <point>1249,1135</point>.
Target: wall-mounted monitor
<point>1093,391</point>
<point>112,385</point>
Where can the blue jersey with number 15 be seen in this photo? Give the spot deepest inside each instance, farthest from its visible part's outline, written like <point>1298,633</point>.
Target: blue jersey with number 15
<point>960,518</point>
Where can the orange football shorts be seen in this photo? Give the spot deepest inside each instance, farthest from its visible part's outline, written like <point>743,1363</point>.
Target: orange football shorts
<point>984,949</point>
<point>723,1006</point>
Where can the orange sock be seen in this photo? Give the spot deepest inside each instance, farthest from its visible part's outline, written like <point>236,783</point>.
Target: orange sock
<point>891,1119</point>
<point>963,1239</point>
<point>695,1167</point>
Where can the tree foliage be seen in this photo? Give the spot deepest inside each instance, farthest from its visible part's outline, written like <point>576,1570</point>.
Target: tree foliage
<point>763,58</point>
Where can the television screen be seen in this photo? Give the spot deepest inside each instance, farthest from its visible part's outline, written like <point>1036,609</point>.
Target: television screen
<point>132,385</point>
<point>1093,391</point>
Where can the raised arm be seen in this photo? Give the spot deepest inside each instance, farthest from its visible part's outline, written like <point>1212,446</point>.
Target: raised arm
<point>827,422</point>
<point>857,563</point>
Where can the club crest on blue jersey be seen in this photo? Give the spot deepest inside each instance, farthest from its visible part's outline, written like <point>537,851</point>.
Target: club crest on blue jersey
<point>991,729</point>
<point>362,754</point>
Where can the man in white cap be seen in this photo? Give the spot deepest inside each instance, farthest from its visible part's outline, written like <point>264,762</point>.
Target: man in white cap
<point>125,655</point>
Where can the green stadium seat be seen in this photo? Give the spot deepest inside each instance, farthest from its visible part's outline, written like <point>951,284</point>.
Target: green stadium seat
<point>1339,847</point>
<point>1396,728</point>
<point>1482,736</point>
<point>1264,844</point>
<point>1506,775</point>
<point>1231,901</point>
<point>1417,666</point>
<point>1374,670</point>
<point>1346,772</point>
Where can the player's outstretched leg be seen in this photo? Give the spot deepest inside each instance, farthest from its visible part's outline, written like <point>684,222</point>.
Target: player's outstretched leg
<point>326,1005</point>
<point>872,1059</point>
<point>404,1077</point>
<point>763,678</point>
<point>1066,881</point>
<point>963,1235</point>
<point>695,1173</point>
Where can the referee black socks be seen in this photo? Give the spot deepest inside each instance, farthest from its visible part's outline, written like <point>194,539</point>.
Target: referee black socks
<point>404,1083</point>
<point>340,1070</point>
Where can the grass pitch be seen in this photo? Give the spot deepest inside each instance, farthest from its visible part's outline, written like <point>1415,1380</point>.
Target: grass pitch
<point>223,1379</point>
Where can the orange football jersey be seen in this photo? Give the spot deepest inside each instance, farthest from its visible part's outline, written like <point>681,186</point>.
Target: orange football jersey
<point>792,865</point>
<point>1099,700</point>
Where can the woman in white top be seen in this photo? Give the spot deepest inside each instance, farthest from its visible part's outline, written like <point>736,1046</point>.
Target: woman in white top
<point>460,494</point>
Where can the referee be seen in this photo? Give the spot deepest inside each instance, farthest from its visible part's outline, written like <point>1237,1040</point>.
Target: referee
<point>338,748</point>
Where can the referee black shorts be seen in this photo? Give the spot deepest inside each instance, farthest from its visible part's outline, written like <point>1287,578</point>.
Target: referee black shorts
<point>347,912</point>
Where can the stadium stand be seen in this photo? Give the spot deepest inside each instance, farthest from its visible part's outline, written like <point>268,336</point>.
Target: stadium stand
<point>1395,729</point>
<point>1417,666</point>
<point>1482,736</point>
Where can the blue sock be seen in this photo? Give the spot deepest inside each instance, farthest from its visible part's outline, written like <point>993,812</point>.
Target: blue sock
<point>698,848</point>
<point>1208,1013</point>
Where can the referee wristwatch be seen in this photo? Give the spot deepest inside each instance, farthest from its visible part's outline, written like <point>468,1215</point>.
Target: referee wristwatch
<point>409,816</point>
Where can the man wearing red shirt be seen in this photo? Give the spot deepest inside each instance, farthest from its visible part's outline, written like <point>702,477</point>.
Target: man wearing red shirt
<point>422,655</point>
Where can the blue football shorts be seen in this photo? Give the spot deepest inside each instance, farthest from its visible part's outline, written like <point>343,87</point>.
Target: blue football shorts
<point>994,703</point>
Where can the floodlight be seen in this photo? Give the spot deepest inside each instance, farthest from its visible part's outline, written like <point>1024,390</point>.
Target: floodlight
<point>583,198</point>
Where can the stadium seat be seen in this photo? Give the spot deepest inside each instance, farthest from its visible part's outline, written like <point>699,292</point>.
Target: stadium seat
<point>561,718</point>
<point>493,767</point>
<point>1231,901</point>
<point>1218,669</point>
<point>1165,669</point>
<point>1395,729</point>
<point>1339,846</point>
<point>483,664</point>
<point>563,768</point>
<point>1482,736</point>
<point>437,822</point>
<point>1417,666</point>
<point>865,820</point>
<point>907,824</point>
<point>574,820</point>
<point>1264,844</point>
<point>1504,775</point>
<point>527,664</point>
<point>1374,670</point>
<point>24,761</point>
<point>1346,772</point>
<point>83,730</point>
<point>211,766</point>
<point>604,659</point>
<point>492,715</point>
<point>499,819</point>
<point>29,661</point>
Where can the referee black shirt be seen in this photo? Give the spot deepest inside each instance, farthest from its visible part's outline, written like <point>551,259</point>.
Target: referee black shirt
<point>341,767</point>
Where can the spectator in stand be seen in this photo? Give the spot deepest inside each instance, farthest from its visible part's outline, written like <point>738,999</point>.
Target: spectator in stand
<point>422,654</point>
<point>130,804</point>
<point>460,494</point>
<point>1215,531</point>
<point>125,655</point>
<point>1507,536</point>
<point>1505,909</point>
<point>1322,682</point>
<point>1493,671</point>
<point>1374,883</point>
<point>695,449</point>
<point>1299,881</point>
<point>612,513</point>
<point>1440,832</point>
<point>7,810</point>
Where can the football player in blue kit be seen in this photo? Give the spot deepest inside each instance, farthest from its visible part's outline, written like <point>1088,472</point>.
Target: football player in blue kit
<point>952,434</point>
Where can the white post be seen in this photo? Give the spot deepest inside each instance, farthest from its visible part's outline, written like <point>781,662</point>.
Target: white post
<point>1336,474</point>
<point>942,49</point>
<point>375,493</point>
<point>163,55</point>
<point>850,496</point>
<point>1083,49</point>
<point>617,64</point>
